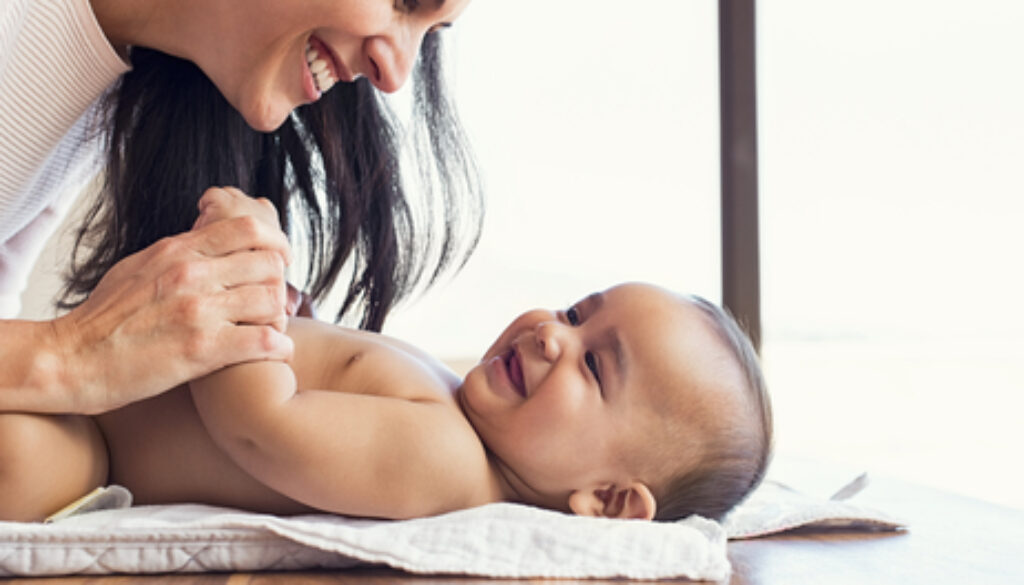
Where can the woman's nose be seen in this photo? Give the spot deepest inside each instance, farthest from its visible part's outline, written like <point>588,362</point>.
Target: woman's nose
<point>392,56</point>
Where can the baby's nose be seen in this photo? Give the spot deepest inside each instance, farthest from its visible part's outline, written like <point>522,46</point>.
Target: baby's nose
<point>547,340</point>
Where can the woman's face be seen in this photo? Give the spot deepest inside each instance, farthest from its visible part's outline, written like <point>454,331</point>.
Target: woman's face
<point>269,56</point>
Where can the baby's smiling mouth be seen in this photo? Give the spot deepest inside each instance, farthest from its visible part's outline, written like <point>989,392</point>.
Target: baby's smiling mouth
<point>515,371</point>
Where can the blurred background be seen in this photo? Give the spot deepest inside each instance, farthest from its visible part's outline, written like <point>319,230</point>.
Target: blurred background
<point>891,135</point>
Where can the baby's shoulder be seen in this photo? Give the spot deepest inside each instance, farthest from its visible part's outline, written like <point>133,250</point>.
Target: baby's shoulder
<point>329,357</point>
<point>446,466</point>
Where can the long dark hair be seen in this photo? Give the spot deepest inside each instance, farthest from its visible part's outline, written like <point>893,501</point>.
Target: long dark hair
<point>332,171</point>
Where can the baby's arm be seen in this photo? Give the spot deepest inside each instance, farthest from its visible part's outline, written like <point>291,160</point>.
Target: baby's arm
<point>348,453</point>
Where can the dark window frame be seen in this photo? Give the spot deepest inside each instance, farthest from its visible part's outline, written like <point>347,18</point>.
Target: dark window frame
<point>741,292</point>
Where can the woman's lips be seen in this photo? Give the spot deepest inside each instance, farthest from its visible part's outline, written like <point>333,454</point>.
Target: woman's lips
<point>322,69</point>
<point>337,66</point>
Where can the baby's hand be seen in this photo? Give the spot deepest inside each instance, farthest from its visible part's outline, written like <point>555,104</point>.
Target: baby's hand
<point>299,304</point>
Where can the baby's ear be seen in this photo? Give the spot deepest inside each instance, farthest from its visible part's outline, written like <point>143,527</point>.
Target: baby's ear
<point>634,500</point>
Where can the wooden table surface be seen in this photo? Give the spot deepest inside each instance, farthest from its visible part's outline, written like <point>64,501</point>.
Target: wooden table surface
<point>952,539</point>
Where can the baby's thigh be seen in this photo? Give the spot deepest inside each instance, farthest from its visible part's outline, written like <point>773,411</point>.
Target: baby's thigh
<point>46,462</point>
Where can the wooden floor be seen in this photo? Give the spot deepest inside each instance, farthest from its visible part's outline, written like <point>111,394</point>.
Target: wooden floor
<point>952,539</point>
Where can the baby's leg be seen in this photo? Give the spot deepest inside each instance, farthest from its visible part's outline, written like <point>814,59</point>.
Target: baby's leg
<point>46,462</point>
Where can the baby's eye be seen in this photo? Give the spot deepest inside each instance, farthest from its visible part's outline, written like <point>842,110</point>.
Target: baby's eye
<point>572,316</point>
<point>407,5</point>
<point>592,365</point>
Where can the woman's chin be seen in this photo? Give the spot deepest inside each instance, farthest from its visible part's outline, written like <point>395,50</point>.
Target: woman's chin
<point>266,115</point>
<point>267,123</point>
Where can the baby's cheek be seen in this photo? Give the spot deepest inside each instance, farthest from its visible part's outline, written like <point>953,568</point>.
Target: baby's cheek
<point>564,395</point>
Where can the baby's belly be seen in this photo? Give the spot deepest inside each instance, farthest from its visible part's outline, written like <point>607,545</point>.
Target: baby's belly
<point>161,452</point>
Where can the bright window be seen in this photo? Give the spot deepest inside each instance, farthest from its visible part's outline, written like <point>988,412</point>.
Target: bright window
<point>596,127</point>
<point>891,135</point>
<point>891,140</point>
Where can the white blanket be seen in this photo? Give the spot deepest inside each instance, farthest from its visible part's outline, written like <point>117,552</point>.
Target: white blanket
<point>497,540</point>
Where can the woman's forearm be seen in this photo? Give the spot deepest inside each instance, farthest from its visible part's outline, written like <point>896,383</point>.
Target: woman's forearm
<point>33,374</point>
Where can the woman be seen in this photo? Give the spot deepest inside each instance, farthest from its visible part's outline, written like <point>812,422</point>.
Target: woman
<point>206,99</point>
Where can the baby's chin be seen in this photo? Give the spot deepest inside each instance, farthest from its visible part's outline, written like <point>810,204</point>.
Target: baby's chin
<point>475,371</point>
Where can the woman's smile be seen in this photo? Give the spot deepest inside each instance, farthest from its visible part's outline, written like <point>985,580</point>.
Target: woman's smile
<point>322,69</point>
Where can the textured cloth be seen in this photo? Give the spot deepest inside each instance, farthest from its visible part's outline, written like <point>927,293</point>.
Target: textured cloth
<point>55,63</point>
<point>775,507</point>
<point>497,540</point>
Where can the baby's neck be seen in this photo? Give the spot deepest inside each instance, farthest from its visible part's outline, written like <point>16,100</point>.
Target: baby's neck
<point>510,487</point>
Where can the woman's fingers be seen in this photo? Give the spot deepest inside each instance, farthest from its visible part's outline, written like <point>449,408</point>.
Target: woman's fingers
<point>140,334</point>
<point>183,307</point>
<point>237,234</point>
<point>242,342</point>
<point>242,268</point>
<point>251,287</point>
<point>219,203</point>
<point>253,305</point>
<point>248,253</point>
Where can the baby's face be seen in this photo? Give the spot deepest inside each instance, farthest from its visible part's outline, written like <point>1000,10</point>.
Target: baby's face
<point>581,397</point>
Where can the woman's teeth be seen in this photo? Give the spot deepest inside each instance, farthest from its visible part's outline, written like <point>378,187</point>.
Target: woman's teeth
<point>321,71</point>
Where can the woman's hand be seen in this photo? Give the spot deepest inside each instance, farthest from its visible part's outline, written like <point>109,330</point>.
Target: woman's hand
<point>182,308</point>
<point>220,203</point>
<point>217,204</point>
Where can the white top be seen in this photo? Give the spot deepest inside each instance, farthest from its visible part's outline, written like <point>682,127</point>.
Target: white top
<point>54,63</point>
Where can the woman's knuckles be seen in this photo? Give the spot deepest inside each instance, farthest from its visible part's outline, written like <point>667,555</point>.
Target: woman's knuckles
<point>200,346</point>
<point>215,196</point>
<point>247,342</point>
<point>265,305</point>
<point>225,202</point>
<point>269,211</point>
<point>184,276</point>
<point>251,232</point>
<point>268,339</point>
<point>165,249</point>
<point>187,275</point>
<point>278,296</point>
<point>192,312</point>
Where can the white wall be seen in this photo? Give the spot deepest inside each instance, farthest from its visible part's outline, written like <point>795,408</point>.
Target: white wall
<point>596,126</point>
<point>891,141</point>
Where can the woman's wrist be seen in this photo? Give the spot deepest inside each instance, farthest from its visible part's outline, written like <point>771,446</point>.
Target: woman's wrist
<point>33,369</point>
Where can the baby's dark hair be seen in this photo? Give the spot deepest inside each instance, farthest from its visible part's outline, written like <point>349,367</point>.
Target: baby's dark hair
<point>734,462</point>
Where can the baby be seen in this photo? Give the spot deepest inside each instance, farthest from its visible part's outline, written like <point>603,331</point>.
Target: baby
<point>632,403</point>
